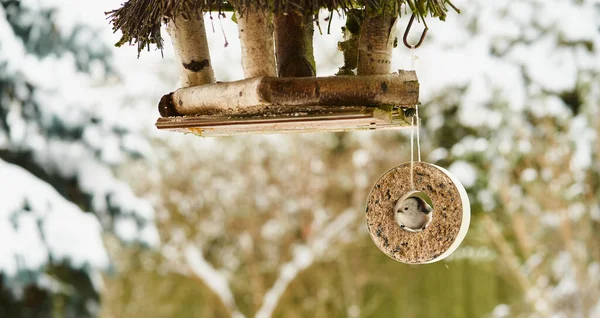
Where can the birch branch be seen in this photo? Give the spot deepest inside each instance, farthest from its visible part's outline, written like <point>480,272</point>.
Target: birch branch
<point>256,39</point>
<point>293,44</point>
<point>376,42</point>
<point>191,48</point>
<point>241,96</point>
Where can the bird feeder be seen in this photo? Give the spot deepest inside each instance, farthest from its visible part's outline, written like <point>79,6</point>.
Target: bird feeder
<point>412,222</point>
<point>280,92</point>
<point>449,222</point>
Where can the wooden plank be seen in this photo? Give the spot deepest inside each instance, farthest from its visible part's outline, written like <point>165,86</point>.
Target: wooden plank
<point>354,118</point>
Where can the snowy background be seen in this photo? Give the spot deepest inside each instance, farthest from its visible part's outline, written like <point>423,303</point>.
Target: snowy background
<point>101,214</point>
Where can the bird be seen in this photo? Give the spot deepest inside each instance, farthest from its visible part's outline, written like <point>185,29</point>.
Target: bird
<point>413,214</point>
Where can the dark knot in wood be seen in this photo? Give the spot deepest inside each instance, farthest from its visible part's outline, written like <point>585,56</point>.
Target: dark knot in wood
<point>166,107</point>
<point>196,66</point>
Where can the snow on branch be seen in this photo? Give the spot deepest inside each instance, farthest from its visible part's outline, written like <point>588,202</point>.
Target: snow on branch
<point>37,223</point>
<point>61,144</point>
<point>211,277</point>
<point>303,257</point>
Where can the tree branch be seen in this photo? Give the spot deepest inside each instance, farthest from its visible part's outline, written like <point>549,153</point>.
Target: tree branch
<point>304,256</point>
<point>191,48</point>
<point>256,39</point>
<point>293,44</point>
<point>376,41</point>
<point>335,91</point>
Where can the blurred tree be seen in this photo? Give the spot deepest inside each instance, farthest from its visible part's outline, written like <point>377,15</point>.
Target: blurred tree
<point>280,233</point>
<point>522,132</point>
<point>60,139</point>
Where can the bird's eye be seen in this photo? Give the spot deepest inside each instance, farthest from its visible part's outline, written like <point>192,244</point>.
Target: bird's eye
<point>406,209</point>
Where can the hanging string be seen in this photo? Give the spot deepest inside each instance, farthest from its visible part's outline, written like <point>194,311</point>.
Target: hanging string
<point>412,130</point>
<point>412,156</point>
<point>415,125</point>
<point>418,120</point>
<point>415,119</point>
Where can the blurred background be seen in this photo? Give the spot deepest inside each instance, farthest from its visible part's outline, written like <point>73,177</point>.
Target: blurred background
<point>101,215</point>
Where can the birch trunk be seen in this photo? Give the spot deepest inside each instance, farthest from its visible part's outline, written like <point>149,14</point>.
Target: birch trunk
<point>376,42</point>
<point>191,48</point>
<point>293,44</point>
<point>256,39</point>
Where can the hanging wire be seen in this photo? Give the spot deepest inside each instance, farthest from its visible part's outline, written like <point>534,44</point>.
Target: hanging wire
<point>415,124</point>
<point>412,150</point>
<point>418,120</point>
<point>415,120</point>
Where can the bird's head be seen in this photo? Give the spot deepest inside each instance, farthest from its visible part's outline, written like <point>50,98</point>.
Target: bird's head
<point>423,206</point>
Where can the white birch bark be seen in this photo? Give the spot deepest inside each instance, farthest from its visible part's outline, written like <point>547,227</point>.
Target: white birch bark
<point>191,49</point>
<point>376,43</point>
<point>256,39</point>
<point>393,89</point>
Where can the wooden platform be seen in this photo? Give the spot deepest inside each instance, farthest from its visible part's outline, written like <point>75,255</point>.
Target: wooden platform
<point>351,118</point>
<point>266,105</point>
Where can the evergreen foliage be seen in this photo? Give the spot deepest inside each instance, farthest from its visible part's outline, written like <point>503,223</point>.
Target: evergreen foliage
<point>58,150</point>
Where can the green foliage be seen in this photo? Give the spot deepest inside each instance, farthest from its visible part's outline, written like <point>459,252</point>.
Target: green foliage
<point>37,120</point>
<point>354,18</point>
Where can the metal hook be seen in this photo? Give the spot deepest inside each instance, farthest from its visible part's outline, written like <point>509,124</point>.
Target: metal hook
<point>405,38</point>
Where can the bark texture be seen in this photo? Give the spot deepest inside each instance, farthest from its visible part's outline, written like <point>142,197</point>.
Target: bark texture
<point>258,93</point>
<point>293,44</point>
<point>376,42</point>
<point>191,48</point>
<point>256,38</point>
